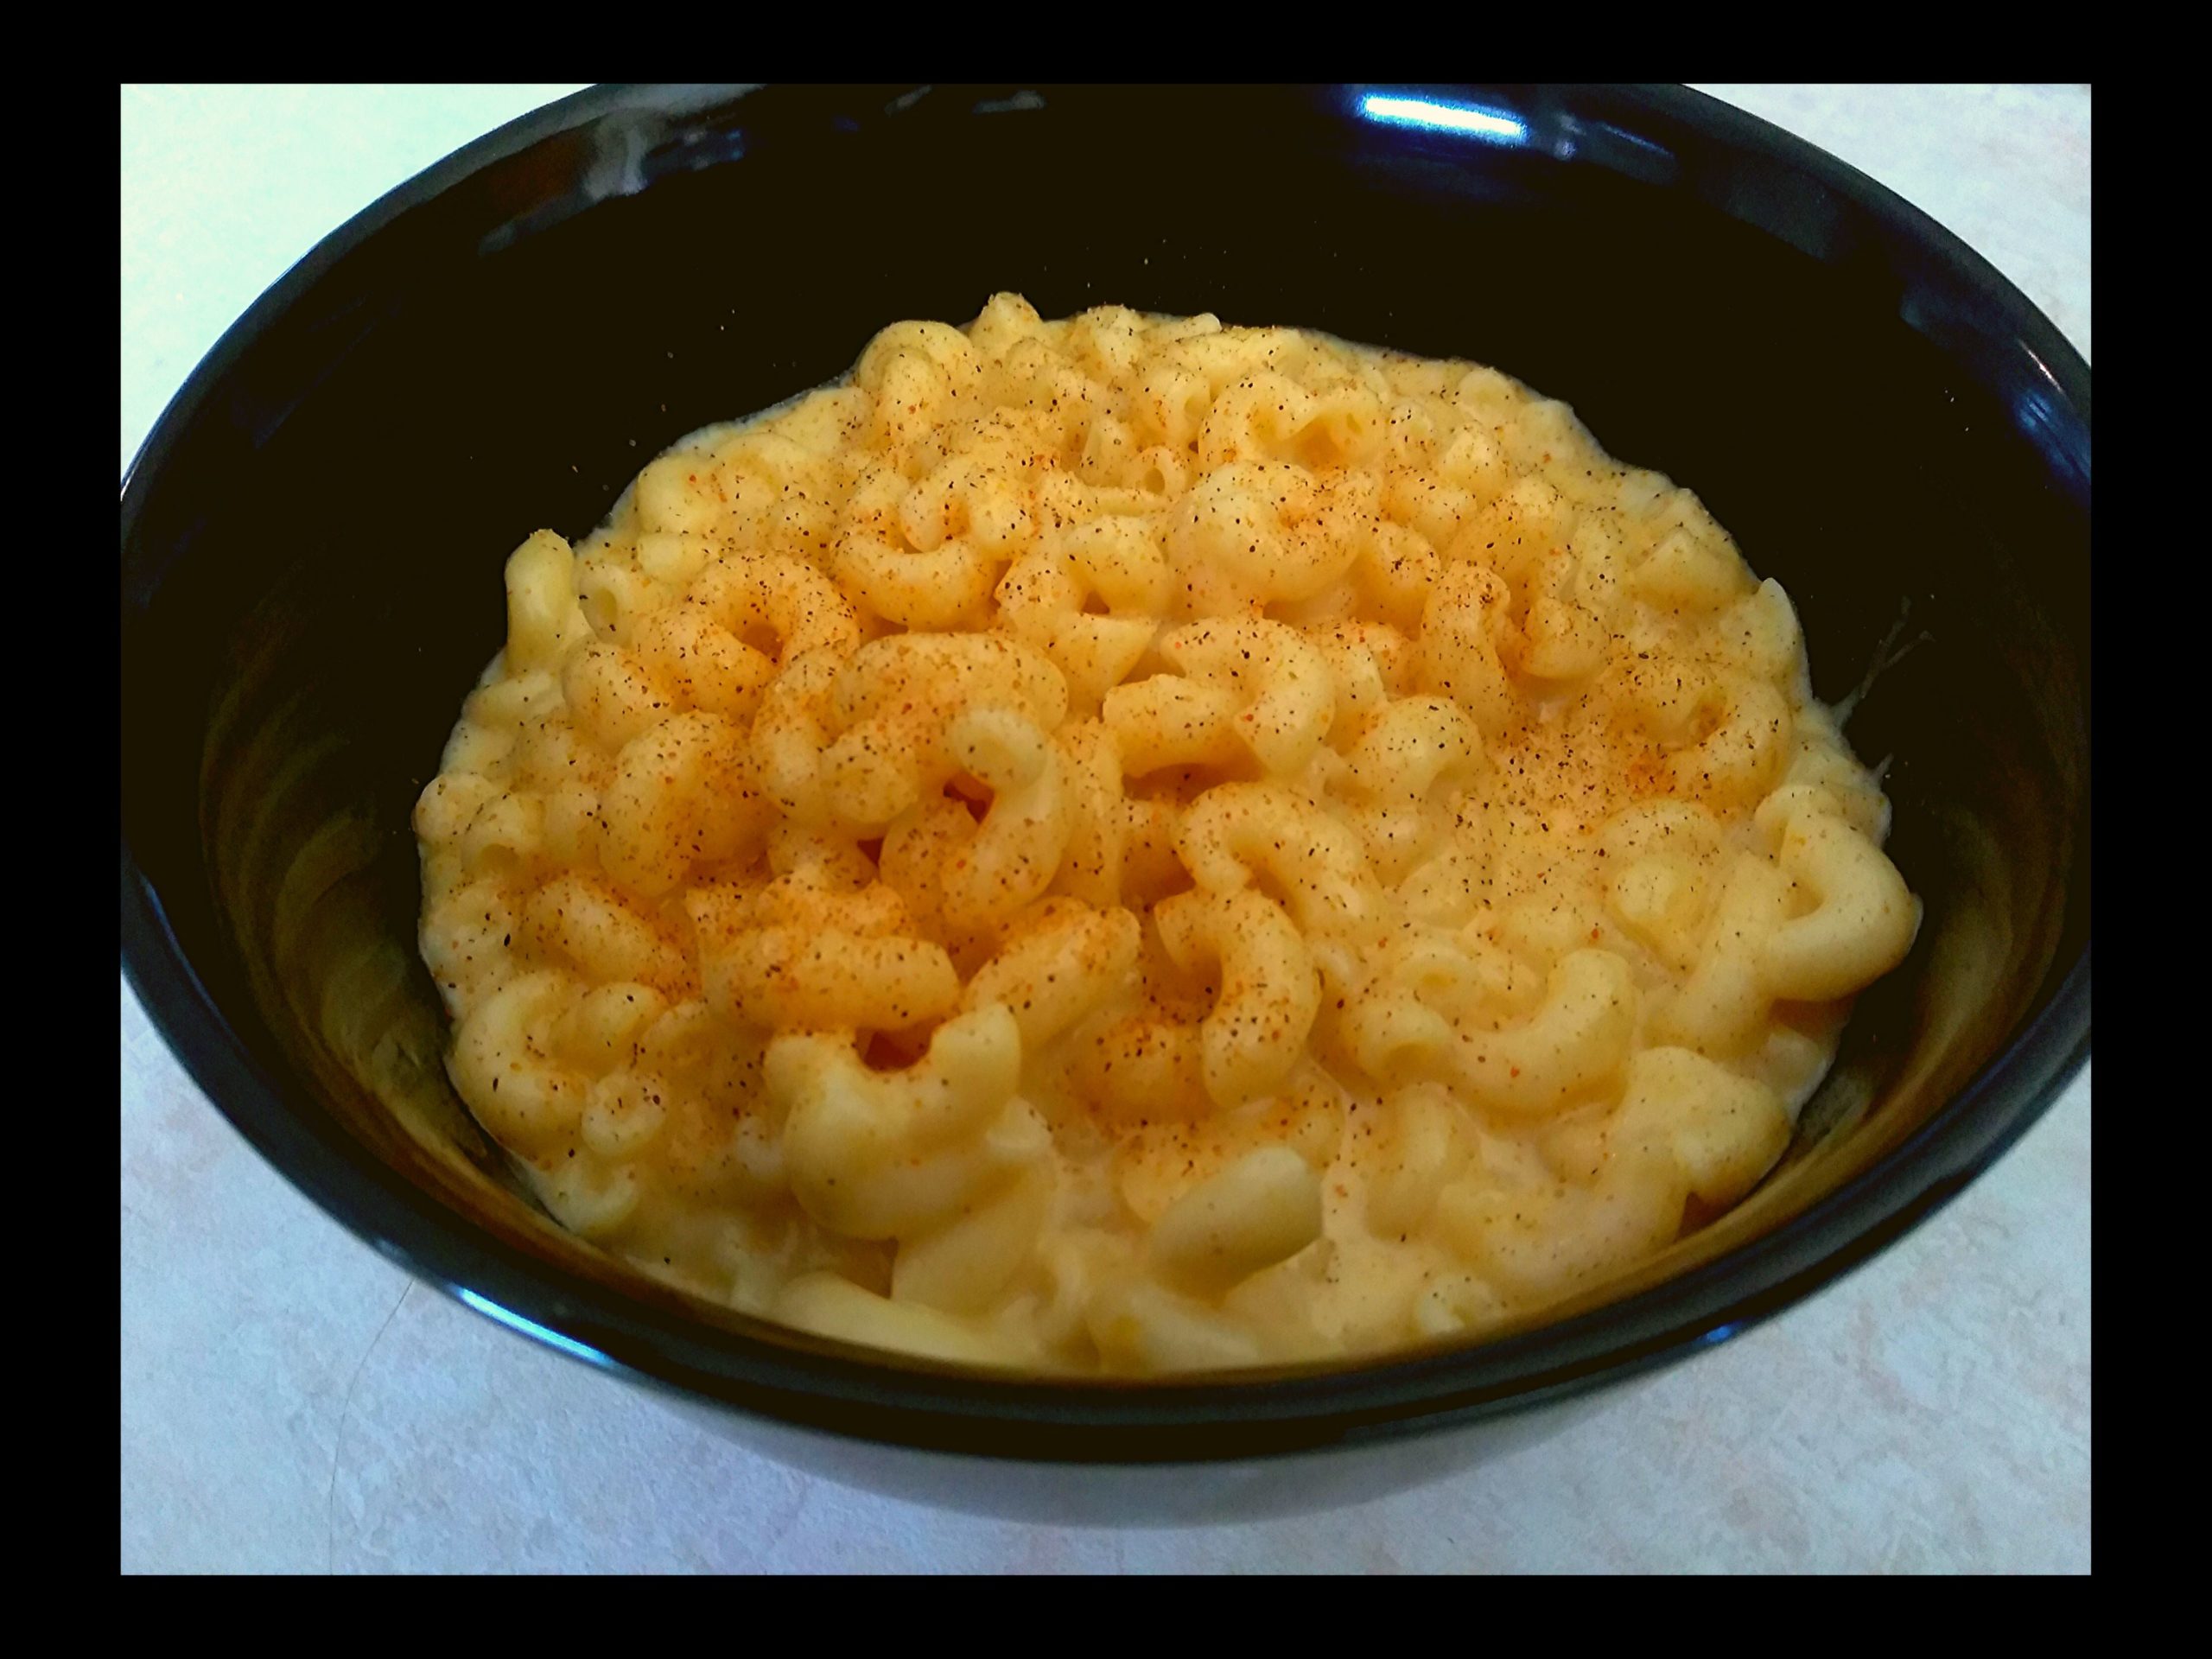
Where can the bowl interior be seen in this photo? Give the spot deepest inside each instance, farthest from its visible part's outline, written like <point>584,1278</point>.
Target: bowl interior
<point>313,542</point>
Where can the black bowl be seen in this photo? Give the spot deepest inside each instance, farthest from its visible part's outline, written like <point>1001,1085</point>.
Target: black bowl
<point>313,536</point>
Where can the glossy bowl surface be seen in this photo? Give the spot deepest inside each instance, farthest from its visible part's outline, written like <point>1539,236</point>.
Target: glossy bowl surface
<point>313,535</point>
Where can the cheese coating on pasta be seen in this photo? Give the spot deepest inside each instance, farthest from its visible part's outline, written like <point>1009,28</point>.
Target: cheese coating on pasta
<point>1132,845</point>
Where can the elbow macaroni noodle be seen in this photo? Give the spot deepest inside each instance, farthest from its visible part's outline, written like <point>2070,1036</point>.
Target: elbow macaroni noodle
<point>1130,844</point>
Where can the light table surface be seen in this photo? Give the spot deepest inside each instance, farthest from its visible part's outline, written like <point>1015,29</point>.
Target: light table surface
<point>291,1402</point>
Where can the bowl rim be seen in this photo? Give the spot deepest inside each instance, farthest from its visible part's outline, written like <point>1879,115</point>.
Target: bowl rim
<point>856,1393</point>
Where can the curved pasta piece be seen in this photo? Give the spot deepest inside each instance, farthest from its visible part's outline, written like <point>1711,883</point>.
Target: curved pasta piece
<point>1416,497</point>
<point>956,529</point>
<point>592,1198</point>
<point>683,794</point>
<point>1253,686</point>
<point>1372,662</point>
<point>791,731</point>
<point>964,1265</point>
<point>782,978</point>
<point>1016,850</point>
<point>500,1067</point>
<point>1517,535</point>
<point>912,1154</point>
<point>1396,574</point>
<point>1259,418</point>
<point>1459,649</point>
<point>945,587</point>
<point>1722,1130</point>
<point>1169,720</point>
<point>450,802</point>
<point>1576,1040</point>
<point>625,1115</point>
<point>1722,1008</point>
<point>797,956</point>
<point>698,664</point>
<point>1425,1142</point>
<point>1691,570</point>
<point>1405,1020</point>
<point>1428,983</point>
<point>1686,1127</point>
<point>1109,339</point>
<point>506,833</point>
<point>1863,920</point>
<point>1236,832</point>
<point>1361,688</point>
<point>585,919</point>
<point>672,559</point>
<point>1568,632</point>
<point>1539,1245</point>
<point>1414,747</point>
<point>829,1305</point>
<point>943,673</point>
<point>493,720</point>
<point>1344,428</point>
<point>1221,356</point>
<point>894,702</point>
<point>1098,816</point>
<point>1160,1160</point>
<point>1005,320</point>
<point>1668,859</point>
<point>1739,758</point>
<point>837,1110</point>
<point>1759,635</point>
<point>783,605</point>
<point>952,353</point>
<point>543,620</point>
<point>1262,1209</point>
<point>682,492</point>
<point>1169,405</point>
<point>1140,1067</point>
<point>1663,900</point>
<point>1143,1326</point>
<point>1472,459</point>
<point>918,849</point>
<point>1396,1035</point>
<point>1114,561</point>
<point>912,394</point>
<point>1056,964</point>
<point>602,1029</point>
<point>825,859</point>
<point>1250,532</point>
<point>1250,1041</point>
<point>466,930</point>
<point>612,696</point>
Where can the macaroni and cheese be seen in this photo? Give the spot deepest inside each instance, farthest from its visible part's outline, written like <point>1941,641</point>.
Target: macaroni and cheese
<point>1130,844</point>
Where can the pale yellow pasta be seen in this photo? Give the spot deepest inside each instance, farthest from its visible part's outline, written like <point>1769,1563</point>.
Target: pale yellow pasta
<point>1129,844</point>
<point>1043,597</point>
<point>1235,834</point>
<point>1015,851</point>
<point>1253,1035</point>
<point>1263,1207</point>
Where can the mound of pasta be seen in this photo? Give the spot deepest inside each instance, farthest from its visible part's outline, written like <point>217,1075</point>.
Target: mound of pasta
<point>1128,844</point>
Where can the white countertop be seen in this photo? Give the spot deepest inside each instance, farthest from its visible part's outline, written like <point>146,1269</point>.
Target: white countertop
<point>291,1402</point>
